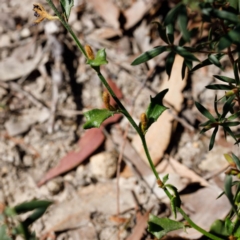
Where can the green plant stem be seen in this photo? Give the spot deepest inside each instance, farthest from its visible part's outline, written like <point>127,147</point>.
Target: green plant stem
<point>68,28</point>
<point>130,119</point>
<point>193,225</point>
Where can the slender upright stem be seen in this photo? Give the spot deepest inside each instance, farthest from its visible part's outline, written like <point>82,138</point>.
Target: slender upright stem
<point>65,24</point>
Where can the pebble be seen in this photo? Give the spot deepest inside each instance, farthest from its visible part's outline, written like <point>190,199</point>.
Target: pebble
<point>103,165</point>
<point>5,40</point>
<point>55,186</point>
<point>25,33</point>
<point>51,27</point>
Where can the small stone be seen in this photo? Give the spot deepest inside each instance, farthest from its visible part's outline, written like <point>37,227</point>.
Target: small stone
<point>51,27</point>
<point>25,33</point>
<point>28,161</point>
<point>55,186</point>
<point>5,40</point>
<point>103,164</point>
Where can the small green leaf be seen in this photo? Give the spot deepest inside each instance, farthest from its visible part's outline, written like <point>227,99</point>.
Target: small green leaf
<point>230,124</point>
<point>213,59</point>
<point>215,106</point>
<point>219,87</point>
<point>185,54</point>
<point>228,190</point>
<point>159,227</point>
<point>236,160</point>
<point>29,206</point>
<point>156,107</point>
<point>219,228</point>
<point>67,6</point>
<point>234,116</point>
<point>177,201</point>
<point>173,203</point>
<point>225,15</point>
<point>229,131</point>
<point>169,63</point>
<point>231,37</point>
<point>95,117</point>
<point>212,140</point>
<point>236,75</point>
<point>204,111</point>
<point>227,106</point>
<point>171,16</point>
<point>34,217</point>
<point>225,79</point>
<point>170,33</point>
<point>204,63</point>
<point>100,59</point>
<point>165,178</point>
<point>182,22</point>
<point>149,55</point>
<point>162,32</point>
<point>3,233</point>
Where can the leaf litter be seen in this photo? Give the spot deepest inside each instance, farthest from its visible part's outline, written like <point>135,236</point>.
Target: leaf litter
<point>43,93</point>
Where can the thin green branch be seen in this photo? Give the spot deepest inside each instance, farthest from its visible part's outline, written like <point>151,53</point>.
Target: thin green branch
<point>65,24</point>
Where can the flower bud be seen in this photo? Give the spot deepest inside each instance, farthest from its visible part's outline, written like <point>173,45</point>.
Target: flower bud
<point>89,52</point>
<point>160,183</point>
<point>106,101</point>
<point>143,122</point>
<point>231,92</point>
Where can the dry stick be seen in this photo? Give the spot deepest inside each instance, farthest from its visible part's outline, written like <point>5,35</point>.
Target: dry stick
<point>16,87</point>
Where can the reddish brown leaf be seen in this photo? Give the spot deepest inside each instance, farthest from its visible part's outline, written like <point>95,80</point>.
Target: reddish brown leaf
<point>88,144</point>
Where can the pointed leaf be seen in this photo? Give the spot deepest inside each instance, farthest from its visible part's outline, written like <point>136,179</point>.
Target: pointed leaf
<point>236,160</point>
<point>171,16</point>
<point>219,228</point>
<point>236,74</point>
<point>156,107</point>
<point>100,59</point>
<point>212,140</point>
<point>162,32</point>
<point>229,131</point>
<point>34,217</point>
<point>29,206</point>
<point>149,55</point>
<point>169,63</point>
<point>95,117</point>
<point>170,33</point>
<point>165,178</point>
<point>231,37</point>
<point>182,22</point>
<point>234,116</point>
<point>213,59</point>
<point>185,54</point>
<point>228,190</point>
<point>215,106</point>
<point>227,106</point>
<point>204,111</point>
<point>159,227</point>
<point>219,87</point>
<point>226,15</point>
<point>3,233</point>
<point>67,6</point>
<point>225,79</point>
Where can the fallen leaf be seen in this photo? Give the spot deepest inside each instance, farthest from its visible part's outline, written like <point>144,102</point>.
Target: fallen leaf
<point>105,33</point>
<point>11,68</point>
<point>136,12</point>
<point>88,144</point>
<point>108,11</point>
<point>173,166</point>
<point>159,134</point>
